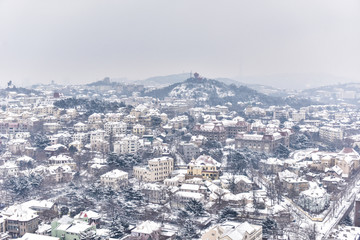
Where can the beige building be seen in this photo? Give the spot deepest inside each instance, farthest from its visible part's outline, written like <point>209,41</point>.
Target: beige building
<point>114,179</point>
<point>158,169</point>
<point>347,159</point>
<point>138,130</point>
<point>203,167</point>
<point>21,222</point>
<point>234,231</point>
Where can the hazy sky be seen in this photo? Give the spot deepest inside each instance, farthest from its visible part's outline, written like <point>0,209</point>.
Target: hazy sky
<point>85,40</point>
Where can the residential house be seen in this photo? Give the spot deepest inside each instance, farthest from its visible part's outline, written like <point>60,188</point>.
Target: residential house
<point>204,167</point>
<point>146,230</point>
<point>61,159</point>
<point>234,231</point>
<point>138,130</point>
<point>114,179</point>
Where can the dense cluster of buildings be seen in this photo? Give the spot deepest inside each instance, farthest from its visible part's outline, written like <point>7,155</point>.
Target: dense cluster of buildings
<point>173,152</point>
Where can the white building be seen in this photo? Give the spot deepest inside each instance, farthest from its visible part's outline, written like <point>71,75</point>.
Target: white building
<point>314,200</point>
<point>330,134</point>
<point>233,231</point>
<point>114,179</point>
<point>80,127</point>
<point>61,160</point>
<point>115,128</point>
<point>129,144</point>
<point>158,169</point>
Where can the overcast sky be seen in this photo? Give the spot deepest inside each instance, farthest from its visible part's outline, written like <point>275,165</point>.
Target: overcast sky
<point>85,40</point>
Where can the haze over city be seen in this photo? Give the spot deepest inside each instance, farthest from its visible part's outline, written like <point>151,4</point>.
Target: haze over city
<point>307,43</point>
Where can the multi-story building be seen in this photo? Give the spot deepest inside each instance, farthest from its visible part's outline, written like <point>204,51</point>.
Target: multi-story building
<point>13,127</point>
<point>203,167</point>
<point>97,136</point>
<point>262,143</point>
<point>348,160</point>
<point>330,134</point>
<point>115,128</point>
<point>58,174</point>
<point>80,127</point>
<point>233,128</point>
<point>113,117</point>
<point>61,160</point>
<point>67,228</point>
<point>158,169</point>
<point>128,144</point>
<point>21,222</point>
<point>81,137</point>
<point>138,130</point>
<point>2,225</point>
<point>114,179</point>
<point>95,118</point>
<point>189,150</point>
<point>18,146</point>
<point>297,116</point>
<point>212,131</point>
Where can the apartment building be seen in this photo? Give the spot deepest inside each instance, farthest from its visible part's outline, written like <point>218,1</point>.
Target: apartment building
<point>21,222</point>
<point>128,144</point>
<point>158,169</point>
<point>330,134</point>
<point>115,128</point>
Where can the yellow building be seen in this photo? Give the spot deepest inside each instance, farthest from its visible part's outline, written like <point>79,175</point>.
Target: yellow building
<point>138,130</point>
<point>204,167</point>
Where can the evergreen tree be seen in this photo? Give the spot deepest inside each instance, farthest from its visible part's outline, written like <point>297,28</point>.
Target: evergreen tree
<point>232,185</point>
<point>41,141</point>
<point>188,231</point>
<point>195,207</point>
<point>132,195</point>
<point>64,211</point>
<point>155,121</point>
<point>347,221</point>
<point>72,150</point>
<point>112,159</point>
<point>357,149</point>
<point>237,161</point>
<point>269,227</point>
<point>227,213</point>
<point>118,227</point>
<point>282,152</point>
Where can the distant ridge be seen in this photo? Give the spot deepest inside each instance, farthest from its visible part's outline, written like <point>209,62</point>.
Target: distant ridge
<point>214,92</point>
